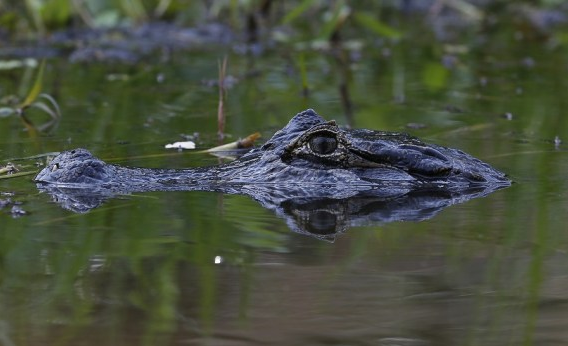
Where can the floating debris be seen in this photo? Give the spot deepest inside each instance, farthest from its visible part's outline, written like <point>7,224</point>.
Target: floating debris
<point>508,116</point>
<point>557,142</point>
<point>5,202</point>
<point>14,171</point>
<point>15,210</point>
<point>181,145</point>
<point>416,126</point>
<point>13,64</point>
<point>10,168</point>
<point>244,143</point>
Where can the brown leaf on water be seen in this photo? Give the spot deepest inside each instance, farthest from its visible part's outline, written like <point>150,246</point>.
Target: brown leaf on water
<point>248,141</point>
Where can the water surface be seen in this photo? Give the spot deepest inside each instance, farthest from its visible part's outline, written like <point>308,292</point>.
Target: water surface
<point>206,268</point>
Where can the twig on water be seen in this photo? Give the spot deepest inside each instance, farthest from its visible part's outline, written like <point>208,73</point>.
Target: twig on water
<point>221,107</point>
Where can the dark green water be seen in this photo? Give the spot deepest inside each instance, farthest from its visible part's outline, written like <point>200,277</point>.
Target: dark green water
<point>203,268</point>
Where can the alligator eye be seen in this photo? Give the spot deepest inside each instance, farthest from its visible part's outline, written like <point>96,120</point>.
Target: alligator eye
<point>323,145</point>
<point>55,167</point>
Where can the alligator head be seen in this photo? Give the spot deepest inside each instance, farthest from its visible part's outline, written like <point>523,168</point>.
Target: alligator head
<point>310,150</point>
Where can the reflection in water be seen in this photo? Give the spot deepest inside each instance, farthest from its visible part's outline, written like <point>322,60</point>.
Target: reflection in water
<point>324,218</point>
<point>320,213</point>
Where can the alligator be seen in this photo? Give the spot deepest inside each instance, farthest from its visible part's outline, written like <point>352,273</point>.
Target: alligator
<point>309,159</point>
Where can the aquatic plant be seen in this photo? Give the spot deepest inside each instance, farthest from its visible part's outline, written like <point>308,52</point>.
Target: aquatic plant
<point>34,99</point>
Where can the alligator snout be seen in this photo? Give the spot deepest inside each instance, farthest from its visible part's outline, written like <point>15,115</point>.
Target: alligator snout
<point>76,166</point>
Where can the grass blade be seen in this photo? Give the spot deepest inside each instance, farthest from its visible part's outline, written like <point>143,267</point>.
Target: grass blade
<point>54,104</point>
<point>16,175</point>
<point>303,74</point>
<point>297,11</point>
<point>36,88</point>
<point>381,29</point>
<point>221,106</point>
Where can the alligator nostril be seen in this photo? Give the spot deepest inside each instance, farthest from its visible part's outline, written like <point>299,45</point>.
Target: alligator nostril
<point>426,151</point>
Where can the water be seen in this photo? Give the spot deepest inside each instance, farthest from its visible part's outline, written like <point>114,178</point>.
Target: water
<point>205,268</point>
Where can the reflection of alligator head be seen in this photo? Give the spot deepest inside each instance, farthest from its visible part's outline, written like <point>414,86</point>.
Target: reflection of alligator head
<point>325,218</point>
<point>310,166</point>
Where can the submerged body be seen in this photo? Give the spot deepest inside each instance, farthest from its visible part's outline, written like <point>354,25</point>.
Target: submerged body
<point>309,156</point>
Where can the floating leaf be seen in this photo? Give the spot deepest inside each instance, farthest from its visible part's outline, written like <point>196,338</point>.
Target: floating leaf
<point>248,141</point>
